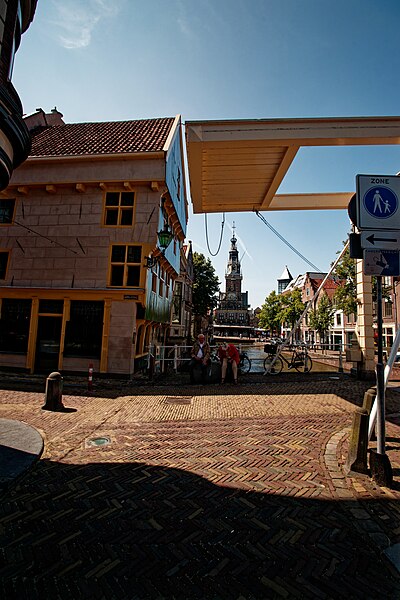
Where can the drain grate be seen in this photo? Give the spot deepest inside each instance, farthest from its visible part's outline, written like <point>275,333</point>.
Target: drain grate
<point>179,399</point>
<point>98,441</point>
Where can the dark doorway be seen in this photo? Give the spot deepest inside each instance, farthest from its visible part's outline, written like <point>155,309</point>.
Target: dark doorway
<point>48,344</point>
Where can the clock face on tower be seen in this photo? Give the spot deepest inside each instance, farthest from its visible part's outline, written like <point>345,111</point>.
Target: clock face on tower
<point>231,295</point>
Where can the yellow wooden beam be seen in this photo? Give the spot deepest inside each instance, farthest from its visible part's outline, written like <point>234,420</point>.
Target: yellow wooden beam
<point>331,201</point>
<point>105,336</point>
<point>33,326</point>
<point>279,175</point>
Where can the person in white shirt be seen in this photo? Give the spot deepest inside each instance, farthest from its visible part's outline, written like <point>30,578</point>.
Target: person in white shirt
<point>200,356</point>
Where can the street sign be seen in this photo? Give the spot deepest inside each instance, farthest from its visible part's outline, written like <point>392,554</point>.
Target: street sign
<point>382,262</point>
<point>378,202</point>
<point>382,239</point>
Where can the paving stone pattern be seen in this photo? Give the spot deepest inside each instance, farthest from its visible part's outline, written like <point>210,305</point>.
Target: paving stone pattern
<point>237,494</point>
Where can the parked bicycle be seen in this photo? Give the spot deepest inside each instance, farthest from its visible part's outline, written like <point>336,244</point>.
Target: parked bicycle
<point>244,365</point>
<point>274,362</point>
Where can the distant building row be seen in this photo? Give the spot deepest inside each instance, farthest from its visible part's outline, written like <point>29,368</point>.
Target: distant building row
<point>344,326</point>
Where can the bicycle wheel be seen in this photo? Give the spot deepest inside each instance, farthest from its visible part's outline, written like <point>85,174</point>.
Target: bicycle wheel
<point>245,364</point>
<point>277,366</point>
<point>305,363</point>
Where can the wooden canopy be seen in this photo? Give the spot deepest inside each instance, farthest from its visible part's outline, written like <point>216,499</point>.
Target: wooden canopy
<point>237,166</point>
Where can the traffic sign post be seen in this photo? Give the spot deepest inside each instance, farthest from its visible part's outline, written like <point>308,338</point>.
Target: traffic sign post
<point>384,263</point>
<point>375,211</point>
<point>389,240</point>
<point>378,202</point>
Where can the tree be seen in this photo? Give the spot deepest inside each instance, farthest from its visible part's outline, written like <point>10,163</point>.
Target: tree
<point>321,318</point>
<point>205,288</point>
<point>269,317</point>
<point>345,297</point>
<point>292,307</point>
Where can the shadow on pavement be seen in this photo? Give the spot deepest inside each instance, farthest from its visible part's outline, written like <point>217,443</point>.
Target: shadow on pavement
<point>342,385</point>
<point>111,530</point>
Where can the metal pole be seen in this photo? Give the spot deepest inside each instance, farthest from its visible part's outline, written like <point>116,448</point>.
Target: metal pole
<point>380,382</point>
<point>176,358</point>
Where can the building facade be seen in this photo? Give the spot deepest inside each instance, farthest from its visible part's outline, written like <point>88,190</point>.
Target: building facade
<point>182,305</point>
<point>344,326</point>
<point>15,18</point>
<point>83,278</point>
<point>232,316</point>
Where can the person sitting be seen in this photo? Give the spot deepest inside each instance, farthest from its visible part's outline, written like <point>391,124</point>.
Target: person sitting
<point>228,354</point>
<point>200,356</point>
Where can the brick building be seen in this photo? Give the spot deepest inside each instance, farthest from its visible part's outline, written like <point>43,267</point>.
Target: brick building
<point>83,277</point>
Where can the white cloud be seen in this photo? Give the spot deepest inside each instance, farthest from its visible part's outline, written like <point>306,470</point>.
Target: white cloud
<point>75,20</point>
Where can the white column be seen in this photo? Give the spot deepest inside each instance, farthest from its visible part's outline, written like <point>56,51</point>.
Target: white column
<point>364,330</point>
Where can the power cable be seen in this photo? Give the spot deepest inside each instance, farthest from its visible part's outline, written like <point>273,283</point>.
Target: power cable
<point>220,239</point>
<point>263,219</point>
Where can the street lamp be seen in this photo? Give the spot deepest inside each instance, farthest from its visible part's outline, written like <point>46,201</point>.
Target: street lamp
<point>165,237</point>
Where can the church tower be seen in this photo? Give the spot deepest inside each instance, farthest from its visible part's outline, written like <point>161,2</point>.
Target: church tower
<point>233,276</point>
<point>232,317</point>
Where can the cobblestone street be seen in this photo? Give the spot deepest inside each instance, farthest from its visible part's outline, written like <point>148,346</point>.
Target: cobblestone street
<point>232,492</point>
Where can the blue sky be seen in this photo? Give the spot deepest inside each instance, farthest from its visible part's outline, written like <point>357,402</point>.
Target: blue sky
<point>98,60</point>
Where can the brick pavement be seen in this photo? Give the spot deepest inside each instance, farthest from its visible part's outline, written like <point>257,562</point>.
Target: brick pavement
<point>201,492</point>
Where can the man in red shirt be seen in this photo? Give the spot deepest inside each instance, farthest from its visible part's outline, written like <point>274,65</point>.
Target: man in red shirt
<point>228,353</point>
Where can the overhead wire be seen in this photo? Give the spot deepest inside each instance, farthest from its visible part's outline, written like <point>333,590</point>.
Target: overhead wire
<point>220,238</point>
<point>285,241</point>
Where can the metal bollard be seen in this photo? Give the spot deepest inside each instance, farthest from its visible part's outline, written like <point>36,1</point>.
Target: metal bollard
<point>340,370</point>
<point>90,378</point>
<point>53,393</point>
<point>358,443</point>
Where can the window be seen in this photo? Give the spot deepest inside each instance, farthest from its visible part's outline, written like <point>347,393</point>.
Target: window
<point>7,211</point>
<point>118,209</point>
<point>338,319</point>
<point>4,256</point>
<point>84,329</point>
<point>125,266</point>
<point>388,309</point>
<point>14,325</point>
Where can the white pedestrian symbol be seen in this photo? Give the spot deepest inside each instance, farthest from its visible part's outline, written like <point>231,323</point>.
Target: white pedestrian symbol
<point>377,202</point>
<point>387,206</point>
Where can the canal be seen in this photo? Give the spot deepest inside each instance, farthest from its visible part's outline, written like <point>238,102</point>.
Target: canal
<point>257,355</point>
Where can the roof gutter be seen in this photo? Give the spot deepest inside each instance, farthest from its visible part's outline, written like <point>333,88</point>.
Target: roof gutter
<point>91,157</point>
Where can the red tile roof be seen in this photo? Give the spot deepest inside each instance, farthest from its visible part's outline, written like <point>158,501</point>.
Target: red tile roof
<point>113,137</point>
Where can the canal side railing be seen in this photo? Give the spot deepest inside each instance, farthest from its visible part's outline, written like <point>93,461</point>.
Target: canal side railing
<point>162,359</point>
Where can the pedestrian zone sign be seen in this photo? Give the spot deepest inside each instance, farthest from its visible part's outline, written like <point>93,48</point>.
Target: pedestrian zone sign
<point>382,262</point>
<point>378,202</point>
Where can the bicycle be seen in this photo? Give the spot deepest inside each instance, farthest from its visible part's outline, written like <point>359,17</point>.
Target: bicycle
<point>299,359</point>
<point>244,365</point>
